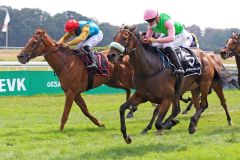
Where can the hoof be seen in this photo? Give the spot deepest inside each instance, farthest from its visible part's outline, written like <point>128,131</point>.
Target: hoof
<point>130,115</point>
<point>160,132</point>
<point>192,128</point>
<point>185,112</point>
<point>144,132</point>
<point>128,140</point>
<point>154,104</point>
<point>167,126</point>
<point>61,129</point>
<point>230,123</point>
<point>102,126</point>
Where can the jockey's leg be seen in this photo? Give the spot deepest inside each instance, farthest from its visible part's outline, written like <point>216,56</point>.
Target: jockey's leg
<point>91,57</point>
<point>179,72</point>
<point>175,60</point>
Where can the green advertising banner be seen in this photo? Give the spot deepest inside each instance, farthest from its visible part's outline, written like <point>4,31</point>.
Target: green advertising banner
<point>29,83</point>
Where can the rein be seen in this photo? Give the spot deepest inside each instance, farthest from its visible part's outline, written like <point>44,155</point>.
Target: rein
<point>133,50</point>
<point>34,54</point>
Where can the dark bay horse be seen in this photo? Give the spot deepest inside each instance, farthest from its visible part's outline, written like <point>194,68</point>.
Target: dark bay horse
<point>71,72</point>
<point>155,83</point>
<point>232,48</point>
<point>224,77</point>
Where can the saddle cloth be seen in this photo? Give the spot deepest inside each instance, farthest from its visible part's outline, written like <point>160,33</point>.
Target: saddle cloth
<point>189,61</point>
<point>102,63</point>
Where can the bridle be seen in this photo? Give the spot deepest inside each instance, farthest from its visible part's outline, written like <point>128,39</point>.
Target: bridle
<point>132,50</point>
<point>40,40</point>
<point>127,46</point>
<point>233,51</point>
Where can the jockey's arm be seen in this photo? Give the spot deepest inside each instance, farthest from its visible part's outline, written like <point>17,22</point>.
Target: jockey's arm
<point>149,32</point>
<point>84,34</point>
<point>65,37</point>
<point>171,33</point>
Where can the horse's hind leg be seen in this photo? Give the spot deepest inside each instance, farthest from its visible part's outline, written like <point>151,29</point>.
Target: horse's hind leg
<point>82,105</point>
<point>188,107</point>
<point>204,89</point>
<point>149,126</point>
<point>219,90</point>
<point>67,107</point>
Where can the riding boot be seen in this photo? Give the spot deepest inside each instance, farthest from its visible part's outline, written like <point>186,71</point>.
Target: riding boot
<point>91,57</point>
<point>173,55</point>
<point>179,72</point>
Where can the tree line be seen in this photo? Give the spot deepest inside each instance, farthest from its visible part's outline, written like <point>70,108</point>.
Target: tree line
<point>25,21</point>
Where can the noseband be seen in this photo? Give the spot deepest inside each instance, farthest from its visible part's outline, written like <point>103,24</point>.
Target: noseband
<point>127,47</point>
<point>234,50</point>
<point>39,41</point>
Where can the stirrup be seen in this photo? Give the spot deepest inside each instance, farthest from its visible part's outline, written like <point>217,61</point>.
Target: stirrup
<point>179,71</point>
<point>93,65</point>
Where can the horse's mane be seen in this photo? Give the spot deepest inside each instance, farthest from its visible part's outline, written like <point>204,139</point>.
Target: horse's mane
<point>146,46</point>
<point>66,50</point>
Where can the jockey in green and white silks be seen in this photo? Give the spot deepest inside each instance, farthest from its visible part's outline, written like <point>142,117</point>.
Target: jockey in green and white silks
<point>181,37</point>
<point>174,35</point>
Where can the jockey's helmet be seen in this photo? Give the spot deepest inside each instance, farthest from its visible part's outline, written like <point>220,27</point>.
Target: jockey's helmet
<point>150,14</point>
<point>71,25</point>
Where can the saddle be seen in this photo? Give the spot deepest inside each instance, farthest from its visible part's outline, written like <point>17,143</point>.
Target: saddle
<point>187,57</point>
<point>102,63</point>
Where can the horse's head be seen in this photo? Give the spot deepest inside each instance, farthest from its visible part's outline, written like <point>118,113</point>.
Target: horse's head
<point>232,47</point>
<point>124,43</point>
<point>37,45</point>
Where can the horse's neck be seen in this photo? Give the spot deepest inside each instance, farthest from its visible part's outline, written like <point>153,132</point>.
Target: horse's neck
<point>55,60</point>
<point>144,63</point>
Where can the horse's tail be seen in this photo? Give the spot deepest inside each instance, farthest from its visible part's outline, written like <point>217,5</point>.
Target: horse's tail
<point>221,74</point>
<point>224,77</point>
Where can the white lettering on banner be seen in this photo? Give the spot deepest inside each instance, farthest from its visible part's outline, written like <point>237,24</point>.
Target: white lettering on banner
<point>54,84</point>
<point>12,85</point>
<point>20,84</point>
<point>2,84</point>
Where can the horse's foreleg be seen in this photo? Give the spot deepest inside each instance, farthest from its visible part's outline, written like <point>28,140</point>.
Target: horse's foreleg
<point>218,89</point>
<point>171,121</point>
<point>134,100</point>
<point>163,108</point>
<point>68,105</point>
<point>82,105</point>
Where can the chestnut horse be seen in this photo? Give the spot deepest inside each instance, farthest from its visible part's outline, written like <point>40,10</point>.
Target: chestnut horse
<point>232,48</point>
<point>150,74</point>
<point>72,73</point>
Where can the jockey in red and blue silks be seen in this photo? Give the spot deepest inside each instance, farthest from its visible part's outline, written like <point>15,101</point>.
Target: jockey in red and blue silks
<point>87,35</point>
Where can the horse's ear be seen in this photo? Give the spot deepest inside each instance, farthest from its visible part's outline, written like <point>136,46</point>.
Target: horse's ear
<point>233,34</point>
<point>132,28</point>
<point>44,31</point>
<point>122,26</point>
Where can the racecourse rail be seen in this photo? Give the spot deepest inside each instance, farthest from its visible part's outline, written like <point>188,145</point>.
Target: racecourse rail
<point>14,64</point>
<point>27,82</point>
